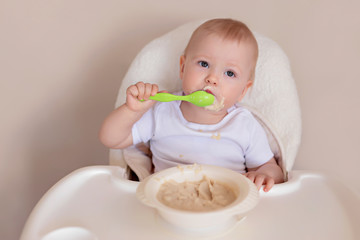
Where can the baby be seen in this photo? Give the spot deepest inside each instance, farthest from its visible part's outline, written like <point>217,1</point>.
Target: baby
<point>220,59</point>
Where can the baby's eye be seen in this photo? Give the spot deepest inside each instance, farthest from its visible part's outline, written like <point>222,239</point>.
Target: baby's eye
<point>230,74</point>
<point>203,64</point>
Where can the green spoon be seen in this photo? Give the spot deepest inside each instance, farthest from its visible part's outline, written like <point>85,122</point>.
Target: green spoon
<point>198,98</point>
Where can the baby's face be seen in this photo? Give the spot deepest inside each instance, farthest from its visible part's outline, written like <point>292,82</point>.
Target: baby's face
<point>221,67</point>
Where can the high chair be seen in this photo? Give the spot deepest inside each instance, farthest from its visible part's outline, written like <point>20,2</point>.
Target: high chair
<point>99,202</point>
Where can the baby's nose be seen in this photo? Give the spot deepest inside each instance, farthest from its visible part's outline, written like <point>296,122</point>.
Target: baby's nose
<point>212,79</point>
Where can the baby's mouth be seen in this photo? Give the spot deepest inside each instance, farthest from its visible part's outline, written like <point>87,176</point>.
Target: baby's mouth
<point>208,91</point>
<point>218,103</point>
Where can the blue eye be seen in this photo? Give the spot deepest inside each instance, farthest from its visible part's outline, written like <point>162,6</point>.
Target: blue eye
<point>203,64</point>
<point>230,74</point>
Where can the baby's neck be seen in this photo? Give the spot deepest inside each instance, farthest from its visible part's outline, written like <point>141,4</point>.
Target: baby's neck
<point>200,115</point>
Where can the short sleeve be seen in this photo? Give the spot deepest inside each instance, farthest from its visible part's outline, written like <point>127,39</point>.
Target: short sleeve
<point>143,129</point>
<point>258,151</point>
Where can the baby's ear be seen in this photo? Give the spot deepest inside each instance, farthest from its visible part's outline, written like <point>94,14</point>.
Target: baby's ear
<point>182,66</point>
<point>246,88</point>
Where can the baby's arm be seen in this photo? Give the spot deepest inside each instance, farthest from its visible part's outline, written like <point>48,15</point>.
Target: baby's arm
<point>267,174</point>
<point>115,131</point>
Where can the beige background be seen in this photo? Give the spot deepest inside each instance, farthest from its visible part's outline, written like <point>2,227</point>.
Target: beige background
<point>62,63</point>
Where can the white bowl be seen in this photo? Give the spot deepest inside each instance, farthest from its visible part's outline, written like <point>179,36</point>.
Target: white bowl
<point>247,196</point>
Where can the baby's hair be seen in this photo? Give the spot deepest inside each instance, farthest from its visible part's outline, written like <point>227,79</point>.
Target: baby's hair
<point>228,29</point>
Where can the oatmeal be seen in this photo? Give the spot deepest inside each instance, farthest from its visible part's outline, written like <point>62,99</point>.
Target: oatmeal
<point>203,195</point>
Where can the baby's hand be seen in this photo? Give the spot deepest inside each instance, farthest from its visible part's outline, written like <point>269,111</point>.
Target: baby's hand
<point>261,179</point>
<point>140,91</point>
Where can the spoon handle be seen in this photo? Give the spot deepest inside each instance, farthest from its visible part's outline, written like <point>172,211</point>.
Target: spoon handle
<point>167,97</point>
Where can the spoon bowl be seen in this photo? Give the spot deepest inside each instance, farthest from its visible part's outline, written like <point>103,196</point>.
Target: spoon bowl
<point>201,98</point>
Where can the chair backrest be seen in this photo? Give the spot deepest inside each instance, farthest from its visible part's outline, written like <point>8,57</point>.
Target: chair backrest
<point>273,98</point>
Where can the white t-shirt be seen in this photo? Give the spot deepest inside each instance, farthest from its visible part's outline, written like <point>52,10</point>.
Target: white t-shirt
<point>236,142</point>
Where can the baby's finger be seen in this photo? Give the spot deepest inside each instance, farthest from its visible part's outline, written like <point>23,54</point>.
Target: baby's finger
<point>147,91</point>
<point>269,184</point>
<point>133,91</point>
<point>259,180</point>
<point>250,176</point>
<point>141,88</point>
<point>154,89</point>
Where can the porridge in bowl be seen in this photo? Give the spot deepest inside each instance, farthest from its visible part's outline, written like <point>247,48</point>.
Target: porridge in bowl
<point>203,195</point>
